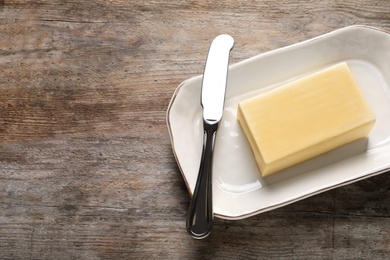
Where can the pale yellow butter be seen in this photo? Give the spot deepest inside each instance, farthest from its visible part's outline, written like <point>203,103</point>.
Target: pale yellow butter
<point>305,118</point>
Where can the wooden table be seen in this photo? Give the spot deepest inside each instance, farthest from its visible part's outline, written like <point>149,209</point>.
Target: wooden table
<point>86,166</point>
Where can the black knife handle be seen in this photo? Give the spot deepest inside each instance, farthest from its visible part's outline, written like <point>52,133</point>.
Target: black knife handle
<point>200,213</point>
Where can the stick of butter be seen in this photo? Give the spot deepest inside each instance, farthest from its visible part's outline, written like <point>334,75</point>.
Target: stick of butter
<point>305,118</point>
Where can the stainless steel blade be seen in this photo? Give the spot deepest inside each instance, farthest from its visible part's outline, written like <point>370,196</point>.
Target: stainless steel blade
<point>215,77</point>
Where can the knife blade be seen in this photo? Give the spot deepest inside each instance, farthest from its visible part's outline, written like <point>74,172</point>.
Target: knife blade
<point>200,213</point>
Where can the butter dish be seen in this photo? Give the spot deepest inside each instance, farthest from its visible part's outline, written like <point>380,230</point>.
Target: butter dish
<point>239,190</point>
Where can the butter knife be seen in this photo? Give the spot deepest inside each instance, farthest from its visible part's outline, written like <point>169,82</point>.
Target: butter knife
<point>200,213</point>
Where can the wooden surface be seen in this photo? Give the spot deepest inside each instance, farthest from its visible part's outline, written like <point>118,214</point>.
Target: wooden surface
<point>86,166</point>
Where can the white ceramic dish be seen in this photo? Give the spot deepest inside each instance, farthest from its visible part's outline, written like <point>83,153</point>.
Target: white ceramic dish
<point>239,191</point>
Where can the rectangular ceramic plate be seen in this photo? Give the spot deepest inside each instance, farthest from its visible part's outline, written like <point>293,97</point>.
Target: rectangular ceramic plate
<point>239,190</point>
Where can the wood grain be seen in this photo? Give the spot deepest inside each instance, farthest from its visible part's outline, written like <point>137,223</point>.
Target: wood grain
<point>86,166</point>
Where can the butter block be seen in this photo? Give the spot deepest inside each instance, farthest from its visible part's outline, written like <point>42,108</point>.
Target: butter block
<point>305,118</point>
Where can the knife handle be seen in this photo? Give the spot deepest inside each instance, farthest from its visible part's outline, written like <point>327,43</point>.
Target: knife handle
<point>200,213</point>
